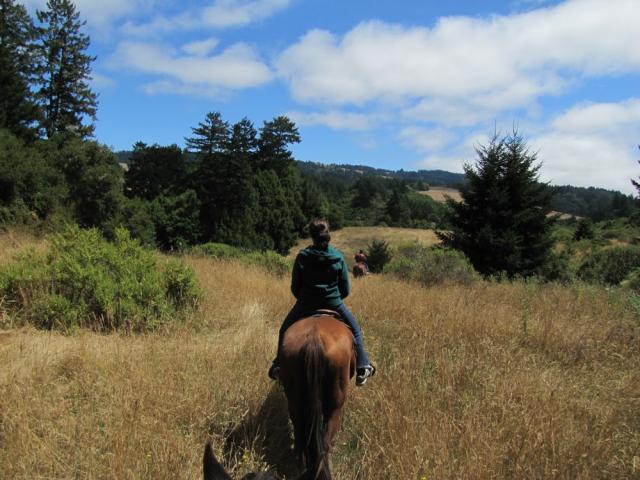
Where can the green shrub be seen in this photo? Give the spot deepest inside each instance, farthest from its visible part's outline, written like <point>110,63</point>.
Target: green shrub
<point>217,250</point>
<point>85,281</point>
<point>269,260</point>
<point>432,266</point>
<point>378,255</point>
<point>610,266</point>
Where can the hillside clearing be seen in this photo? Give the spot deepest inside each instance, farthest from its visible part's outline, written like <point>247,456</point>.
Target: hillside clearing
<point>440,194</point>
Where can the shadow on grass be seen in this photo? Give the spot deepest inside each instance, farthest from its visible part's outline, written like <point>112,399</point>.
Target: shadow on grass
<point>266,432</point>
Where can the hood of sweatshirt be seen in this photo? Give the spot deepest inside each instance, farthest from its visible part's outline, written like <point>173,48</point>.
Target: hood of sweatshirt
<point>312,254</point>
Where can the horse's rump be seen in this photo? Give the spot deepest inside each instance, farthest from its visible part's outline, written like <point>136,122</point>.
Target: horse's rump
<point>317,361</point>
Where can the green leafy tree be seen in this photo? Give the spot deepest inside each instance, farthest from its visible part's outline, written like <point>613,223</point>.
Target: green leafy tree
<point>66,97</point>
<point>18,58</point>
<point>176,219</point>
<point>154,171</point>
<point>211,135</point>
<point>398,208</point>
<point>93,178</point>
<point>502,225</point>
<point>28,177</point>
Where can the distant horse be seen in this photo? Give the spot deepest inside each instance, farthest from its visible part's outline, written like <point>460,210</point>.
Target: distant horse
<point>318,359</point>
<point>360,270</point>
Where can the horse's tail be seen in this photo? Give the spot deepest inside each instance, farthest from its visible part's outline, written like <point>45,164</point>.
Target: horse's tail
<point>316,372</point>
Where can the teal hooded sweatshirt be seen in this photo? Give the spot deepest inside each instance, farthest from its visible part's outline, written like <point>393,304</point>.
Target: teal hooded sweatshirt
<point>320,278</point>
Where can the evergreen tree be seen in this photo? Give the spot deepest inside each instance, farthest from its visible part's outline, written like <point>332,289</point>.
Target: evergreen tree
<point>209,136</point>
<point>243,138</point>
<point>18,57</point>
<point>273,145</point>
<point>502,224</point>
<point>65,93</point>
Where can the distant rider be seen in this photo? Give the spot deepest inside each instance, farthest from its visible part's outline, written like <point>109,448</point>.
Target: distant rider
<point>320,280</point>
<point>362,258</point>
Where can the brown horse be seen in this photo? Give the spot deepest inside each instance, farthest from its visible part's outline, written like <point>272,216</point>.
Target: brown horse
<point>360,270</point>
<point>318,360</point>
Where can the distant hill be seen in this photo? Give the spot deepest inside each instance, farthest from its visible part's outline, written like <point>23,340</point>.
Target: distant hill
<point>353,172</point>
<point>593,202</point>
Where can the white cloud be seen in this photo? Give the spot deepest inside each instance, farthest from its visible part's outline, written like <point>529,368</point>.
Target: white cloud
<point>480,66</point>
<point>101,13</point>
<point>201,48</point>
<point>593,145</point>
<point>335,120</point>
<point>236,67</point>
<point>218,14</point>
<point>426,140</point>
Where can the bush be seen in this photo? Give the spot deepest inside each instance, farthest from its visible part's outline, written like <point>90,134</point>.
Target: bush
<point>610,266</point>
<point>85,281</point>
<point>378,255</point>
<point>269,260</point>
<point>217,250</point>
<point>432,266</point>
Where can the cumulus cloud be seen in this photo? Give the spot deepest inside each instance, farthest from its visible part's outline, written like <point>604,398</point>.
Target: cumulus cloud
<point>425,139</point>
<point>489,64</point>
<point>236,67</point>
<point>218,14</point>
<point>593,144</point>
<point>101,13</point>
<point>201,48</point>
<point>336,120</point>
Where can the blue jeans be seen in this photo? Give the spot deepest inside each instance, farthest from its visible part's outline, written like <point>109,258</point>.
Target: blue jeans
<point>298,311</point>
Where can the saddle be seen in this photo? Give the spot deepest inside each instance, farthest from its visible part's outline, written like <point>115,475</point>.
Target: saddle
<point>325,312</point>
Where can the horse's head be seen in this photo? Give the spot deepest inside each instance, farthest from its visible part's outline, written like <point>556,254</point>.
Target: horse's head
<point>214,471</point>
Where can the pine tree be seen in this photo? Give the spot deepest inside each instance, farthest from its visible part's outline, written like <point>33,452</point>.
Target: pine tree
<point>273,145</point>
<point>210,136</point>
<point>66,96</point>
<point>502,223</point>
<point>18,55</point>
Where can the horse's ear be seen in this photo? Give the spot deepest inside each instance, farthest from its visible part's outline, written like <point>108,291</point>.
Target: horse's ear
<point>211,467</point>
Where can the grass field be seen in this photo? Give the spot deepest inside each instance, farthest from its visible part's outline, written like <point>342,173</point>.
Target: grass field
<point>351,239</point>
<point>440,194</point>
<point>484,381</point>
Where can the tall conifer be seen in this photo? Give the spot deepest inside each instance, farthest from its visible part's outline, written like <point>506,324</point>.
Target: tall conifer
<point>502,223</point>
<point>18,110</point>
<point>66,96</point>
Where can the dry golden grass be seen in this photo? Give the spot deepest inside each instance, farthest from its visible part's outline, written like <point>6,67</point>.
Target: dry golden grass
<point>351,239</point>
<point>12,241</point>
<point>440,194</point>
<point>464,390</point>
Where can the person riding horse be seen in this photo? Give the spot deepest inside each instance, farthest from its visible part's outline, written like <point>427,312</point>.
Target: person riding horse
<point>320,280</point>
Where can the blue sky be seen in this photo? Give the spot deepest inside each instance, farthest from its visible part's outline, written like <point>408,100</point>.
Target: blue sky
<point>412,84</point>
